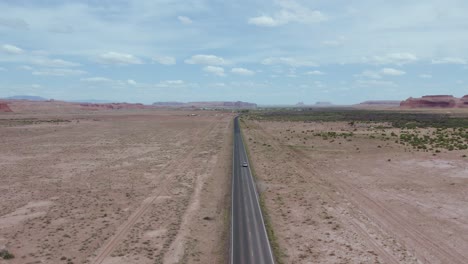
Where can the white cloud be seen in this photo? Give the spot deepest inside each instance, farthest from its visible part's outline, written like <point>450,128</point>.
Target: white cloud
<point>58,72</point>
<point>292,73</point>
<point>331,43</point>
<point>165,60</point>
<point>2,69</point>
<point>375,83</point>
<point>293,62</point>
<point>26,68</point>
<point>206,60</point>
<point>378,74</point>
<point>185,20</point>
<point>96,79</point>
<point>219,84</point>
<point>242,71</point>
<point>392,72</point>
<point>219,71</point>
<point>171,83</point>
<point>393,58</point>
<point>120,83</point>
<point>61,29</point>
<point>54,63</point>
<point>107,82</point>
<point>369,74</point>
<point>14,23</point>
<point>433,32</point>
<point>36,86</point>
<point>12,49</point>
<point>449,61</point>
<point>425,76</point>
<point>319,84</point>
<point>290,11</point>
<point>315,73</point>
<point>118,58</point>
<point>174,82</point>
<point>264,21</point>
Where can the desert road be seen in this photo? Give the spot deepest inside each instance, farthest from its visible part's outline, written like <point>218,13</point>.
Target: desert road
<point>249,240</point>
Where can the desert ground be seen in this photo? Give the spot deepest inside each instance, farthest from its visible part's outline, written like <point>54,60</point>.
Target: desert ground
<point>359,192</point>
<point>143,186</point>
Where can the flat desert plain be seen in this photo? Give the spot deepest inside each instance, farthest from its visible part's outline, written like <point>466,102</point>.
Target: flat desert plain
<point>339,192</point>
<point>115,187</point>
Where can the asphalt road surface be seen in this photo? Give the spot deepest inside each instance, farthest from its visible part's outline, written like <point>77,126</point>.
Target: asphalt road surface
<point>249,239</point>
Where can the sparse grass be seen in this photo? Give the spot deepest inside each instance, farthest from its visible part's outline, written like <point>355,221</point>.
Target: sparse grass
<point>334,135</point>
<point>449,139</point>
<point>384,147</point>
<point>224,248</point>
<point>353,116</point>
<point>30,121</point>
<point>451,132</point>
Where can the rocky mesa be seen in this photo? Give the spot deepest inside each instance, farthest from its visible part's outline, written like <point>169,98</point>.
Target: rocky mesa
<point>435,101</point>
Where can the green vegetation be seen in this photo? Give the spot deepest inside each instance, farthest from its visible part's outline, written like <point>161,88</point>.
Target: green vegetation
<point>450,133</point>
<point>353,116</point>
<point>450,139</point>
<point>328,135</point>
<point>5,254</point>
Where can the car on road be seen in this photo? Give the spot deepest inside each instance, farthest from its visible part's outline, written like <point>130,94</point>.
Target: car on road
<point>245,164</point>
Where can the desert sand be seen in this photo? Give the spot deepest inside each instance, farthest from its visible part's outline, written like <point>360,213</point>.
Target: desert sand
<point>147,186</point>
<point>361,198</point>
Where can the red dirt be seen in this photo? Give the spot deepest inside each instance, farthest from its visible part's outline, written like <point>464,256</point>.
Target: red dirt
<point>114,186</point>
<point>5,108</point>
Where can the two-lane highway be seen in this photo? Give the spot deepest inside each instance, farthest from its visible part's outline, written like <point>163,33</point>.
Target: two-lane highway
<point>249,239</point>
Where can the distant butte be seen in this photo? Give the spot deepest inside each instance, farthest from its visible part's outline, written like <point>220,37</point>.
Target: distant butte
<point>435,101</point>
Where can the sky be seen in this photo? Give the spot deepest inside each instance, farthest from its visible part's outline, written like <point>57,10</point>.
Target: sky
<point>267,52</point>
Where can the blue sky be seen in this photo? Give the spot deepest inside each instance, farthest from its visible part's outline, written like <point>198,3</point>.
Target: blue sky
<point>268,52</point>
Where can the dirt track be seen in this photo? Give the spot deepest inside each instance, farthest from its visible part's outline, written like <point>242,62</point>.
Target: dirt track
<point>359,200</point>
<point>128,187</point>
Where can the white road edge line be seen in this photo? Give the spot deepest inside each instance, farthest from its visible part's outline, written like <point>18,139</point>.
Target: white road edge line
<point>256,198</point>
<point>232,189</point>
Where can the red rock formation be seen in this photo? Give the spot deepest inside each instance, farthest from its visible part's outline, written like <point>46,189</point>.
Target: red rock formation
<point>464,101</point>
<point>5,108</point>
<point>438,101</point>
